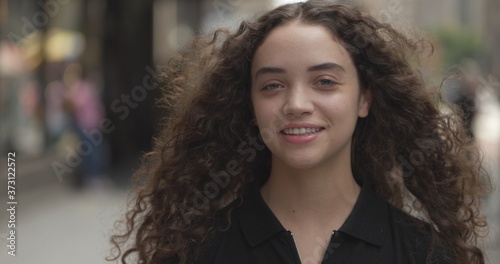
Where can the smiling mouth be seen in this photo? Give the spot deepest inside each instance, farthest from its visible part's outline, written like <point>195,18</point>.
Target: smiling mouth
<point>300,131</point>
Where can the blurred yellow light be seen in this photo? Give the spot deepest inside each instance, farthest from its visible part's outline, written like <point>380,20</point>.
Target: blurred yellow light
<point>64,45</point>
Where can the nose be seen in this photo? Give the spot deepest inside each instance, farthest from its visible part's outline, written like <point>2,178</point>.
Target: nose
<point>298,102</point>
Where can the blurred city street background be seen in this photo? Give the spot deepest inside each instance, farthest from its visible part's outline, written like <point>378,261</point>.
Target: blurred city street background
<point>77,102</point>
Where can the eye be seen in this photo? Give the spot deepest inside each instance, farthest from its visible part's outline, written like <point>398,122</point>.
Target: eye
<point>326,82</point>
<point>272,86</point>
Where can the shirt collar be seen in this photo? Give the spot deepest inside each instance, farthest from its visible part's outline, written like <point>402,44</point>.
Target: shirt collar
<point>257,220</point>
<point>367,221</point>
<point>369,217</point>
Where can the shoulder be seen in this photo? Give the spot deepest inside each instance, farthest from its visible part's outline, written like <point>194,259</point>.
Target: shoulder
<point>418,238</point>
<point>226,223</point>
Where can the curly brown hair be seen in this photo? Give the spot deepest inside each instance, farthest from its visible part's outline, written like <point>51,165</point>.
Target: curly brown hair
<point>415,155</point>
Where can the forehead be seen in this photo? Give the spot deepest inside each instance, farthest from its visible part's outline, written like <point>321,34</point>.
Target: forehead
<point>304,44</point>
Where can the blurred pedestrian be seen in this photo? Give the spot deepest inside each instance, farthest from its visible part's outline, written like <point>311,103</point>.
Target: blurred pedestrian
<point>88,112</point>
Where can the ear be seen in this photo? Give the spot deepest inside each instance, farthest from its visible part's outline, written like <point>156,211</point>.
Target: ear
<point>365,102</point>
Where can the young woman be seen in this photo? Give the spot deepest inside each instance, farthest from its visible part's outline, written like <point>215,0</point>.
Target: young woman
<point>305,137</point>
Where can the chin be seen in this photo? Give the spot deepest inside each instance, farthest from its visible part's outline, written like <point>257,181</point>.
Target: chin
<point>302,164</point>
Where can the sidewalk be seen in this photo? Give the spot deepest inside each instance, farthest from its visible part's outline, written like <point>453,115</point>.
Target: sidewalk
<point>58,226</point>
<point>54,223</point>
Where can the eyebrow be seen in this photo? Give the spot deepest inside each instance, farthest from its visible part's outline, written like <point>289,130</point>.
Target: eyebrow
<point>319,67</point>
<point>326,66</point>
<point>265,70</point>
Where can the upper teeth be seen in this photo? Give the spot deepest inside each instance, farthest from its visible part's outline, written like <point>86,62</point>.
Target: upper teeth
<point>300,131</point>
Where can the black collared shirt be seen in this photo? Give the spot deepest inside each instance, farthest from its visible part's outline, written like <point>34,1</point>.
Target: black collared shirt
<point>375,232</point>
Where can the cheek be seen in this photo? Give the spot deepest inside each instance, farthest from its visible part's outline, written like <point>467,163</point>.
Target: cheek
<point>263,109</point>
<point>340,110</point>
<point>261,115</point>
<point>257,109</point>
<point>334,106</point>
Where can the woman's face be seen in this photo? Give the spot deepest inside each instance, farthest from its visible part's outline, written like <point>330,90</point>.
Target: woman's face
<point>306,96</point>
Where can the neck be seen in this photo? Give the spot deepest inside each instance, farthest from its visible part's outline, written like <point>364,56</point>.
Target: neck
<point>316,196</point>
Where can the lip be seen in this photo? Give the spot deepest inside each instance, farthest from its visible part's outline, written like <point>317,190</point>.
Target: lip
<point>300,139</point>
<point>299,125</point>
